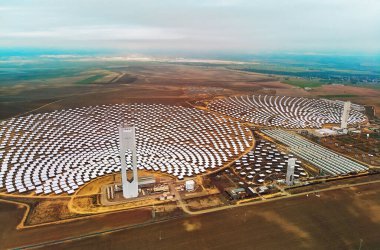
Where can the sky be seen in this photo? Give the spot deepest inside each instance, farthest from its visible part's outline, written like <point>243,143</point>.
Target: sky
<point>193,26</point>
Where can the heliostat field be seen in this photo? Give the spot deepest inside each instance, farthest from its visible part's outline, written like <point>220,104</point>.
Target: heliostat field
<point>60,151</point>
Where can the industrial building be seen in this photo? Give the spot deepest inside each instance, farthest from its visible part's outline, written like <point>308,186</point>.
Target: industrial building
<point>290,172</point>
<point>129,177</point>
<point>190,185</point>
<point>236,193</point>
<point>326,160</point>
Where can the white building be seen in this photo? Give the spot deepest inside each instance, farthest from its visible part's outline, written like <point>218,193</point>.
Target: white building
<point>190,185</point>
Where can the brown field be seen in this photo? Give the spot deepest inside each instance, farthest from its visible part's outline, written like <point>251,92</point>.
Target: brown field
<point>205,202</point>
<point>162,83</point>
<point>364,96</point>
<point>337,219</point>
<point>168,84</point>
<point>357,147</point>
<point>10,216</point>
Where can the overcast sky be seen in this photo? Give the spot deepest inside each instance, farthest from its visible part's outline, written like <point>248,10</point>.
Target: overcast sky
<point>249,26</point>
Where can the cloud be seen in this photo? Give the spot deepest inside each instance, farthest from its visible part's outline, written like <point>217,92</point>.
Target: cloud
<point>4,8</point>
<point>220,3</point>
<point>222,25</point>
<point>97,33</point>
<point>64,56</point>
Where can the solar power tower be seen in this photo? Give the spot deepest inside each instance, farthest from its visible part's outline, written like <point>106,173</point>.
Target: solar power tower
<point>345,115</point>
<point>290,172</point>
<point>128,176</point>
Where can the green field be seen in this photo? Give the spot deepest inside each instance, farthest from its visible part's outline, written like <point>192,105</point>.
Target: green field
<point>90,79</point>
<point>337,96</point>
<point>302,83</point>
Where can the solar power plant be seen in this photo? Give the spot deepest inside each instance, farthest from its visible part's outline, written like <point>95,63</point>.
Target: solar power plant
<point>265,161</point>
<point>285,112</point>
<point>323,158</point>
<point>60,151</point>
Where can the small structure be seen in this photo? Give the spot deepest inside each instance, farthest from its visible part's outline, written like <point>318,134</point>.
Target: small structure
<point>190,185</point>
<point>159,188</point>
<point>146,181</point>
<point>236,193</point>
<point>252,191</point>
<point>262,189</point>
<point>143,182</point>
<point>110,192</point>
<point>324,132</point>
<point>290,172</point>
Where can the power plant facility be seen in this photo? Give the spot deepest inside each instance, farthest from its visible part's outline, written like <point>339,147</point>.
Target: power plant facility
<point>128,176</point>
<point>155,162</point>
<point>172,142</point>
<point>290,172</point>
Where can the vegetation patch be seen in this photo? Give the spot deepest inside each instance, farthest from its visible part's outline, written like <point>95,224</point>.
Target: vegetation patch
<point>49,210</point>
<point>90,79</point>
<point>337,96</point>
<point>301,82</point>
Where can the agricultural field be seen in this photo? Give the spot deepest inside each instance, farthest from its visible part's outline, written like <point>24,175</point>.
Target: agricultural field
<point>65,83</point>
<point>357,147</point>
<point>302,83</point>
<point>325,220</point>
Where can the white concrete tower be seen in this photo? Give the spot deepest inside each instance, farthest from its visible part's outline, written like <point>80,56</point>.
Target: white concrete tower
<point>345,115</point>
<point>290,172</point>
<point>128,177</point>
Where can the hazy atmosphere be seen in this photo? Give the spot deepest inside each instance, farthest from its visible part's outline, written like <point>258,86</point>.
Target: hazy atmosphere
<point>307,26</point>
